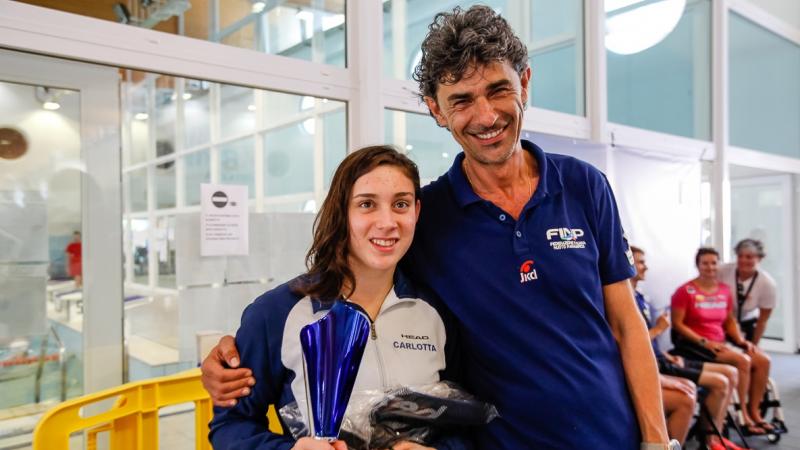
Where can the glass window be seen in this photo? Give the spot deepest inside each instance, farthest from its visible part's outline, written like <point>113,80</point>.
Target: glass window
<point>196,113</point>
<point>137,189</point>
<point>289,159</point>
<point>551,29</point>
<point>237,111</point>
<point>164,242</point>
<point>764,91</point>
<point>138,110</point>
<point>139,239</point>
<point>659,65</point>
<point>759,208</point>
<point>165,185</point>
<point>41,250</point>
<point>298,129</point>
<point>430,146</point>
<point>309,30</point>
<point>197,168</point>
<point>237,164</point>
<point>334,124</point>
<point>220,132</point>
<point>165,100</point>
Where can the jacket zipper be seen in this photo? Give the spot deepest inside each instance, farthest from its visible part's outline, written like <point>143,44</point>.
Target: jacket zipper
<point>374,337</point>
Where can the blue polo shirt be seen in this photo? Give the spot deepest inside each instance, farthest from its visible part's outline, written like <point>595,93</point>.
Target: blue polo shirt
<point>529,299</point>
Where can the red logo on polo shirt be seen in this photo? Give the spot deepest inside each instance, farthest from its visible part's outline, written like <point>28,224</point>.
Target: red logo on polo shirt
<point>527,272</point>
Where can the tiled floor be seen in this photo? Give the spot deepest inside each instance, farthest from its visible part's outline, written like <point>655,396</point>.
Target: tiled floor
<point>786,373</point>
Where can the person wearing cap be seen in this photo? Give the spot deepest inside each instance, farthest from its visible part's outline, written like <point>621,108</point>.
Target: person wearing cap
<point>756,290</point>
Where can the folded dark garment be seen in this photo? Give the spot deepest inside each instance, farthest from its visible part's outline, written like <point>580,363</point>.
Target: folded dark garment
<point>414,407</point>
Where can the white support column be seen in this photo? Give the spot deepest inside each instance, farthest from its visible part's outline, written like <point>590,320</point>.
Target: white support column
<point>365,58</point>
<point>260,173</point>
<point>597,80</point>
<point>596,73</point>
<point>180,143</point>
<point>215,110</point>
<point>150,171</point>
<point>399,38</point>
<point>721,188</point>
<point>101,200</point>
<point>319,154</point>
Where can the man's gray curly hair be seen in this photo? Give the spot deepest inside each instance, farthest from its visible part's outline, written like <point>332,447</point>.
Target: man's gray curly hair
<point>461,40</point>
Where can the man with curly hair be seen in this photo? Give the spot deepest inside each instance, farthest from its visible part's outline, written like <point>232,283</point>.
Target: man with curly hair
<point>527,250</point>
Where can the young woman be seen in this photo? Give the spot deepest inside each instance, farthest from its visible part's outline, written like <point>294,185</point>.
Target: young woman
<point>364,227</point>
<point>702,317</point>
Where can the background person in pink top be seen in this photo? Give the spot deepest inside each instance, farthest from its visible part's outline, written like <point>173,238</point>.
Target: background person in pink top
<point>702,316</point>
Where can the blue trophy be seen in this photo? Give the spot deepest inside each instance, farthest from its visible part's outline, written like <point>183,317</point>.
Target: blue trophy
<point>332,350</point>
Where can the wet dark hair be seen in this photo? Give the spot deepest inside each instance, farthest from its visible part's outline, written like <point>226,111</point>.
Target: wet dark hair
<point>754,244</point>
<point>327,260</point>
<point>460,40</point>
<point>704,251</point>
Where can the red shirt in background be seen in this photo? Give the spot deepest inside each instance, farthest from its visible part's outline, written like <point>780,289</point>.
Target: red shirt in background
<point>74,258</point>
<point>705,311</point>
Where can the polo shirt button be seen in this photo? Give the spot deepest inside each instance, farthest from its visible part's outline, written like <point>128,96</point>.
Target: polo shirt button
<point>519,234</point>
<point>502,217</point>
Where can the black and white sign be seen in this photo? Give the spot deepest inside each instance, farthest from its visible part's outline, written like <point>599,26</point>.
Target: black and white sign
<point>224,227</point>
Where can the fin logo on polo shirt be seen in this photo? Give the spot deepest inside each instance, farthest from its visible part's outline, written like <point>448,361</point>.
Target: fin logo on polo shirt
<point>527,272</point>
<point>564,238</point>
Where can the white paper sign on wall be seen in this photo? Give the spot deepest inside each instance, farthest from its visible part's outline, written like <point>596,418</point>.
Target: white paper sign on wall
<point>224,227</point>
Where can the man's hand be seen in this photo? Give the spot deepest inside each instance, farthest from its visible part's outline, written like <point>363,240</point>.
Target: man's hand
<point>307,443</point>
<point>662,323</point>
<point>225,385</point>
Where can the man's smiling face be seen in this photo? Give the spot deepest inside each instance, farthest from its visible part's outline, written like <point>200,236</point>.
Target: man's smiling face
<point>484,110</point>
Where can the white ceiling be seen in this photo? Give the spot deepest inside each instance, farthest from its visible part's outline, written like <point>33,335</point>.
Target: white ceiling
<point>786,10</point>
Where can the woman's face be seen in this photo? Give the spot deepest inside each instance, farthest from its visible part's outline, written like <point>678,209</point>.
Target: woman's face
<point>707,266</point>
<point>382,213</point>
<point>746,260</point>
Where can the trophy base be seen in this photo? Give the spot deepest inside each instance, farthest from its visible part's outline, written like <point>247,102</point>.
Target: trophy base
<point>326,439</point>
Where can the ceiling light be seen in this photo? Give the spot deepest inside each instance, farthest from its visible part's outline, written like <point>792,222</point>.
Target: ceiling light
<point>307,102</point>
<point>141,116</point>
<point>409,147</point>
<point>51,106</point>
<point>251,107</point>
<point>305,15</point>
<point>187,96</point>
<point>637,28</point>
<point>309,126</point>
<point>258,7</point>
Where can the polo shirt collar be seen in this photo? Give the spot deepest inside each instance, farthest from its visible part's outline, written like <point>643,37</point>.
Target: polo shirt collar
<point>549,178</point>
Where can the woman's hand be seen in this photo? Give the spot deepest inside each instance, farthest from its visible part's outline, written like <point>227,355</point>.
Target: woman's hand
<point>307,443</point>
<point>406,445</point>
<point>669,383</point>
<point>715,347</point>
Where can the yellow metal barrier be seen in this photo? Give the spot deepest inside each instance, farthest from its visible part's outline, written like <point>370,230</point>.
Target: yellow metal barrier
<point>132,423</point>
